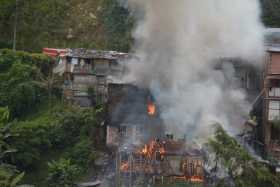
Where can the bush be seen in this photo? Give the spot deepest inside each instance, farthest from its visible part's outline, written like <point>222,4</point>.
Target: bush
<point>34,138</point>
<point>241,166</point>
<point>62,173</point>
<point>81,154</point>
<point>18,71</point>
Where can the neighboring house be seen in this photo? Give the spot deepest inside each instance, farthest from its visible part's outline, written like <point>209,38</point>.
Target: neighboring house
<point>84,69</point>
<point>54,52</point>
<point>271,102</point>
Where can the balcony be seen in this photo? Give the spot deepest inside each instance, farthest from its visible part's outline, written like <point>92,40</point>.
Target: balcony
<point>83,70</point>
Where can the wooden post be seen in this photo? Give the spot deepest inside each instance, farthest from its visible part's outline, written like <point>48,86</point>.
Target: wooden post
<point>118,162</point>
<point>130,169</point>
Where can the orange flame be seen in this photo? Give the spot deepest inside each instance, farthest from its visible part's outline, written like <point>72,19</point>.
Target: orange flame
<point>196,179</point>
<point>151,108</point>
<point>124,166</point>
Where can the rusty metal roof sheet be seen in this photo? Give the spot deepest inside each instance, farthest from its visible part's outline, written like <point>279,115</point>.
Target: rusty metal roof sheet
<point>96,54</point>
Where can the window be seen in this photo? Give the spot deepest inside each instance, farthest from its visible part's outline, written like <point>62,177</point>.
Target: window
<point>122,131</point>
<point>274,110</point>
<point>274,92</point>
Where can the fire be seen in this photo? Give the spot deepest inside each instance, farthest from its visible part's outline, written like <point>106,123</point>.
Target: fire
<point>124,166</point>
<point>193,179</point>
<point>145,150</point>
<point>196,179</point>
<point>151,108</point>
<point>144,162</point>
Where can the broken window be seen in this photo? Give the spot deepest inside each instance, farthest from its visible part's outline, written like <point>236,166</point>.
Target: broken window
<point>274,110</point>
<point>123,131</point>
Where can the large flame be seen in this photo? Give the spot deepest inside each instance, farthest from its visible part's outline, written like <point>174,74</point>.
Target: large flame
<point>197,179</point>
<point>151,152</point>
<point>151,108</point>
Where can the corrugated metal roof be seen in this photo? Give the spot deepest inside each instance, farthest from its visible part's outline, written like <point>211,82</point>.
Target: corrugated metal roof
<point>96,54</point>
<point>273,48</point>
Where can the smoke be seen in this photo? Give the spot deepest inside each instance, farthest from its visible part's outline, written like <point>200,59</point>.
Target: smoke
<point>178,44</point>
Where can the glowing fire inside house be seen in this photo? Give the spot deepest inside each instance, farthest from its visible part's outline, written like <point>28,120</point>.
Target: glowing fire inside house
<point>166,158</point>
<point>151,108</point>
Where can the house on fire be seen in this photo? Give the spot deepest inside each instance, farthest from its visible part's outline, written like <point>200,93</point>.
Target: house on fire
<point>132,113</point>
<point>132,116</point>
<point>83,69</point>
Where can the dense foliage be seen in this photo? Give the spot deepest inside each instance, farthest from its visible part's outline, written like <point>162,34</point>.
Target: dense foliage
<point>42,139</point>
<point>63,129</point>
<point>271,12</point>
<point>117,26</point>
<point>65,24</point>
<point>18,71</point>
<point>9,175</point>
<point>99,24</point>
<point>241,166</point>
<point>62,173</point>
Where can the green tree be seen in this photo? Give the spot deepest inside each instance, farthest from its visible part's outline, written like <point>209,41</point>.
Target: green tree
<point>62,173</point>
<point>49,83</point>
<point>9,175</point>
<point>117,25</point>
<point>17,88</point>
<point>242,168</point>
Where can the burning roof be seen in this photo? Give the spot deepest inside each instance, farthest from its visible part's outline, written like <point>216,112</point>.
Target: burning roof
<point>166,158</point>
<point>129,104</point>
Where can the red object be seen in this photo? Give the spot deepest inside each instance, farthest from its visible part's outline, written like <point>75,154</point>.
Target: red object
<point>54,52</point>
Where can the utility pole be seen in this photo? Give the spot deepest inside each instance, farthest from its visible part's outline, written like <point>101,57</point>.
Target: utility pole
<point>15,26</point>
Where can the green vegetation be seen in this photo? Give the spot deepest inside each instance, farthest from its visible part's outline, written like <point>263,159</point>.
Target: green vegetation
<point>62,173</point>
<point>271,12</point>
<point>242,168</point>
<point>101,24</point>
<point>18,70</point>
<point>42,139</point>
<point>9,175</point>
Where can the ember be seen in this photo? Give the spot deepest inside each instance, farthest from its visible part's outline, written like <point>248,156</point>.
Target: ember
<point>196,179</point>
<point>125,166</point>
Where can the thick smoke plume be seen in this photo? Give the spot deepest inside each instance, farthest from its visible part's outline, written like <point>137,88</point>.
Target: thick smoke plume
<point>178,44</point>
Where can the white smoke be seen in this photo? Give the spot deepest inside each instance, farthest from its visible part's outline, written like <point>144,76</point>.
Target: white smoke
<point>178,44</point>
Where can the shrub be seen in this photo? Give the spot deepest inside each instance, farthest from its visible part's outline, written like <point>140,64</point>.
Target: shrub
<point>62,173</point>
<point>81,154</point>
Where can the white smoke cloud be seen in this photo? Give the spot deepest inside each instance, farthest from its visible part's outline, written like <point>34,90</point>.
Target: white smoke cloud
<point>178,44</point>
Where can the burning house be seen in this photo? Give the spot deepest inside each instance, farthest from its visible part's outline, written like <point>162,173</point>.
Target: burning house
<point>135,131</point>
<point>132,116</point>
<point>166,160</point>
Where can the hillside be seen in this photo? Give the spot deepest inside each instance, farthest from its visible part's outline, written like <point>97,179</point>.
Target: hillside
<point>66,23</point>
<point>99,24</point>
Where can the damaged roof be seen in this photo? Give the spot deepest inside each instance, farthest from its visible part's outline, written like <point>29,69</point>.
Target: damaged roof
<point>126,104</point>
<point>96,54</point>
